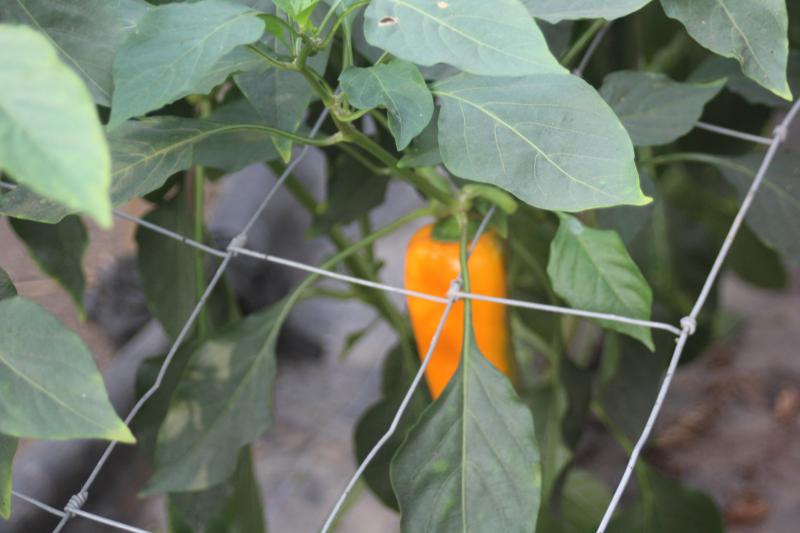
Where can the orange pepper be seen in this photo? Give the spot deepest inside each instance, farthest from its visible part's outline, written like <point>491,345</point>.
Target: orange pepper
<point>431,265</point>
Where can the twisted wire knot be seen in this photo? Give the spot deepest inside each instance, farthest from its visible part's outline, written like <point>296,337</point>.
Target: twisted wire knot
<point>781,132</point>
<point>237,242</point>
<point>75,502</point>
<point>689,325</point>
<point>455,286</point>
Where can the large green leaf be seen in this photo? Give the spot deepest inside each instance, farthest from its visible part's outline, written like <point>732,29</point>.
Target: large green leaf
<point>172,51</point>
<point>50,135</point>
<point>497,38</point>
<point>8,447</point>
<point>775,213</point>
<point>471,463</point>
<point>223,402</point>
<point>557,10</point>
<point>58,250</point>
<point>232,507</point>
<point>653,108</point>
<point>591,269</point>
<point>87,33</point>
<point>399,87</point>
<point>397,377</point>
<point>550,140</point>
<point>667,507</point>
<point>753,33</point>
<point>146,152</point>
<point>46,368</point>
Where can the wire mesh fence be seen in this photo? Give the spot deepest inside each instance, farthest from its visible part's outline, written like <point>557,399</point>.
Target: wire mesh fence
<point>237,246</point>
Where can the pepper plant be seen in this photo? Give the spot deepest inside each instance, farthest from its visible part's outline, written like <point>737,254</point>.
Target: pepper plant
<point>578,129</point>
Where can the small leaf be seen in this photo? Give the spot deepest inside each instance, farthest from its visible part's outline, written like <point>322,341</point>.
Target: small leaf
<point>87,33</point>
<point>50,373</point>
<point>497,38</point>
<point>373,424</point>
<point>775,213</point>
<point>399,87</point>
<point>352,192</point>
<point>50,136</point>
<point>557,10</point>
<point>8,447</point>
<point>549,140</point>
<point>58,251</point>
<point>653,108</point>
<point>471,463</point>
<point>172,50</point>
<point>223,402</point>
<point>592,271</point>
<point>753,33</point>
<point>424,150</point>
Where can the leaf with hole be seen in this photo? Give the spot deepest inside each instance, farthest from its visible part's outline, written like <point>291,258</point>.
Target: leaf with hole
<point>172,51</point>
<point>471,463</point>
<point>222,403</point>
<point>58,251</point>
<point>549,140</point>
<point>497,38</point>
<point>592,271</point>
<point>87,33</point>
<point>655,109</point>
<point>557,10</point>
<point>753,33</point>
<point>399,87</point>
<point>59,394</point>
<point>50,137</point>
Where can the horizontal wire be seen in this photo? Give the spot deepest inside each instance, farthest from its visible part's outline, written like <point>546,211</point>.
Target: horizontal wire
<point>758,139</point>
<point>41,505</point>
<point>108,522</point>
<point>570,311</point>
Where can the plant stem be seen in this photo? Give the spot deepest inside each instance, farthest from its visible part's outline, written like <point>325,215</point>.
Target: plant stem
<point>695,157</point>
<point>583,41</point>
<point>198,206</point>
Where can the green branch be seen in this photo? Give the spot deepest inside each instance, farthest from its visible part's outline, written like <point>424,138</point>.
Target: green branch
<point>583,41</point>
